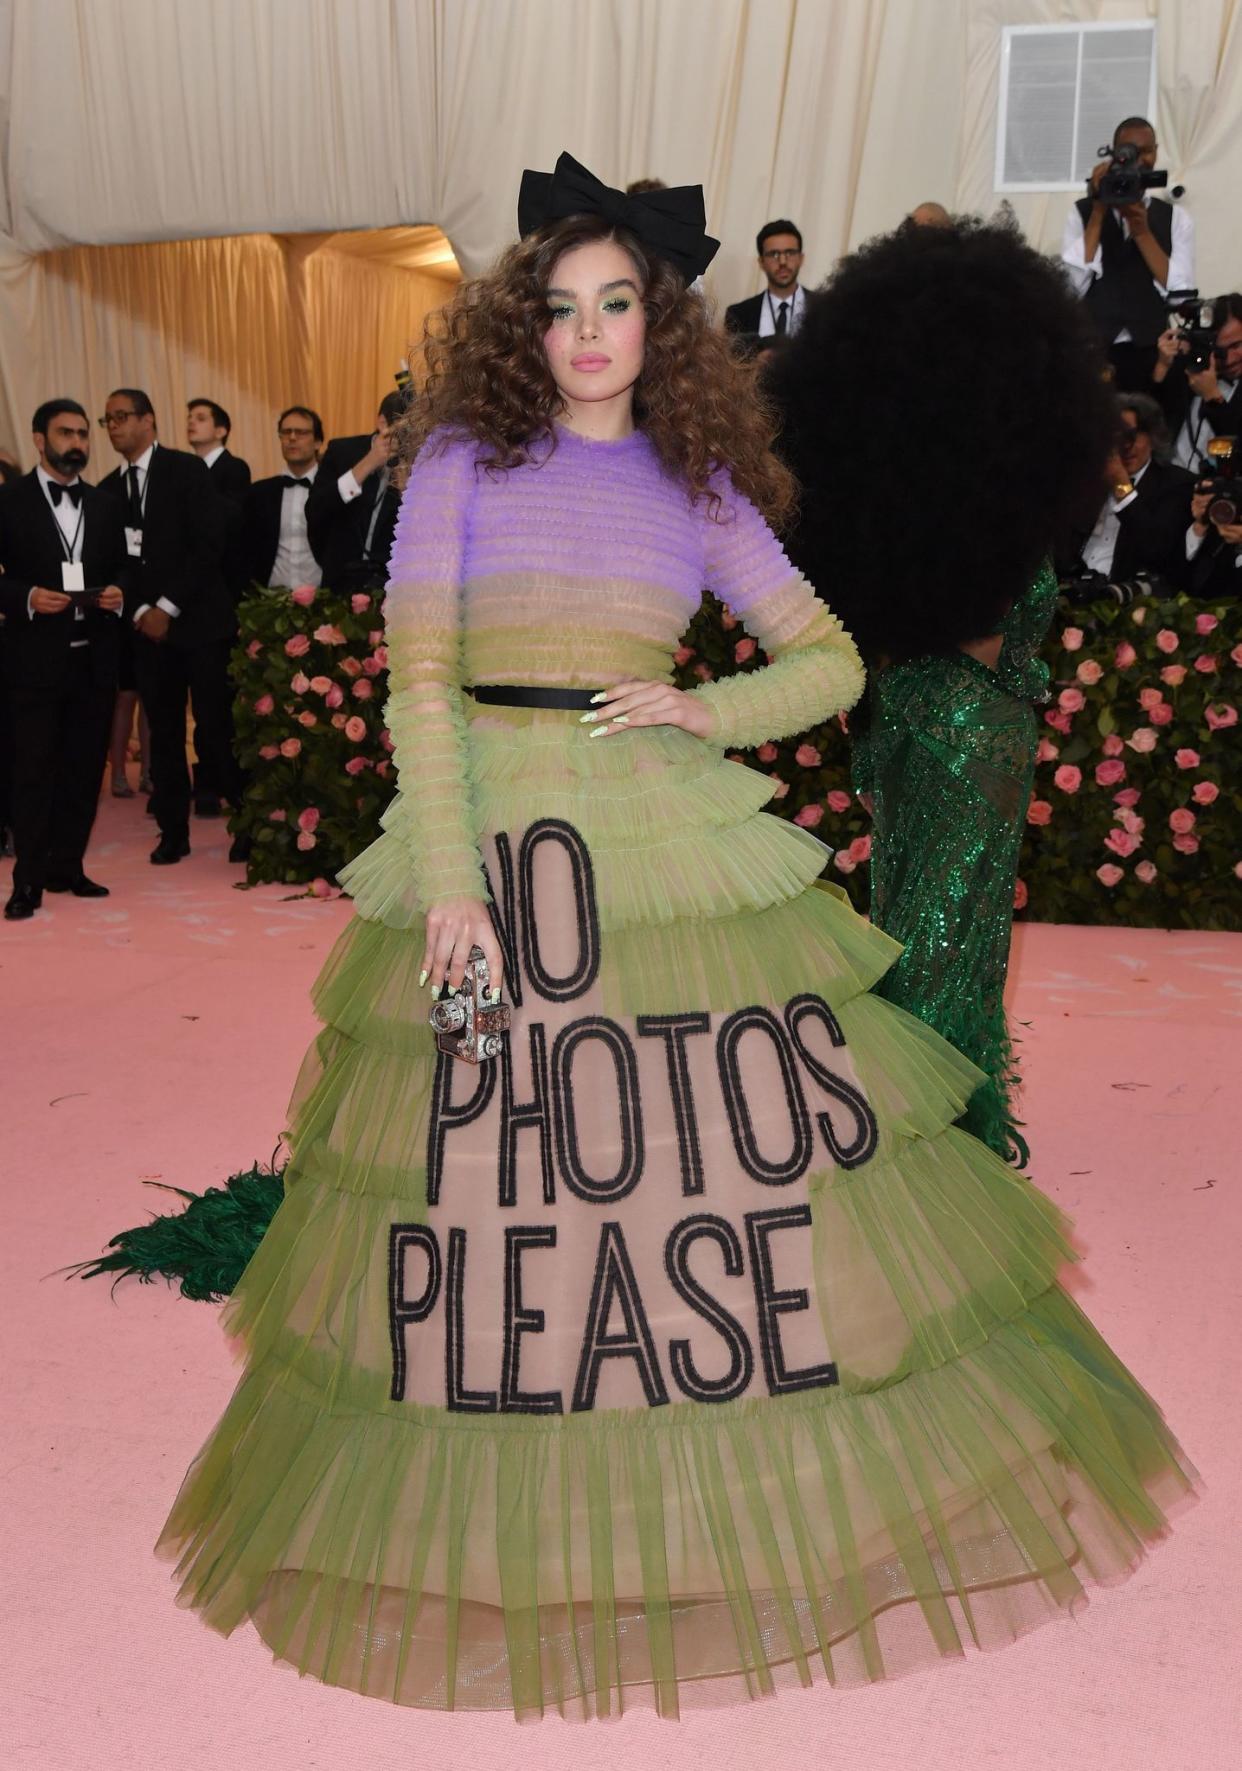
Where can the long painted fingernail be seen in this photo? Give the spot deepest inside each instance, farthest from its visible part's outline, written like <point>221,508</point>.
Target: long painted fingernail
<point>599,732</point>
<point>602,696</point>
<point>621,719</point>
<point>494,995</point>
<point>422,977</point>
<point>587,718</point>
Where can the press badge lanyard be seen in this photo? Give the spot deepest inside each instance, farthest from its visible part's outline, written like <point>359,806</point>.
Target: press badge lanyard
<point>133,535</point>
<point>72,572</point>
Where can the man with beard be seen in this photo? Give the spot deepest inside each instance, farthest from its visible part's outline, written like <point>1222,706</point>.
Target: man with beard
<point>64,576</point>
<point>778,312</point>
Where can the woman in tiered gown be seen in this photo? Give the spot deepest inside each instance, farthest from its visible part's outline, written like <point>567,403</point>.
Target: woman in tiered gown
<point>686,1346</point>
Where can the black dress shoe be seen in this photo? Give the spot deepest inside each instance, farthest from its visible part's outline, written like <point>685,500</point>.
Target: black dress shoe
<point>169,850</point>
<point>239,848</point>
<point>206,805</point>
<point>24,902</point>
<point>81,887</point>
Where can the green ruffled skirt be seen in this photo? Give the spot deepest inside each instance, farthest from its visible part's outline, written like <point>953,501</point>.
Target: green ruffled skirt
<point>686,1349</point>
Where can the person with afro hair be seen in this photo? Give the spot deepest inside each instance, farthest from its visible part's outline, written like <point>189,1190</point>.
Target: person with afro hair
<point>946,414</point>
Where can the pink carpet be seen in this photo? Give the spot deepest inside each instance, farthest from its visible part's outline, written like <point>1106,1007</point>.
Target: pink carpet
<point>154,1036</point>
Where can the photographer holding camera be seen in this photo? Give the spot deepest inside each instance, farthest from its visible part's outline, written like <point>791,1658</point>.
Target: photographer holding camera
<point>1198,380</point>
<point>1214,538</point>
<point>1125,249</point>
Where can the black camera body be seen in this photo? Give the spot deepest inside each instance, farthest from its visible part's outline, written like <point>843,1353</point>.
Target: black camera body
<point>1218,474</point>
<point>1191,318</point>
<point>1125,181</point>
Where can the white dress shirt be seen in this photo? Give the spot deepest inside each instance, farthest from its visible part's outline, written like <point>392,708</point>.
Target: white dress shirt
<point>71,521</point>
<point>349,489</point>
<point>771,305</point>
<point>143,464</point>
<point>295,563</point>
<point>1101,545</point>
<point>1083,271</point>
<point>213,455</point>
<point>1194,436</point>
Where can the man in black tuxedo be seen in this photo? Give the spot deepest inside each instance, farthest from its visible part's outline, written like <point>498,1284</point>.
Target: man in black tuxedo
<point>180,607</point>
<point>65,573</point>
<point>352,509</point>
<point>278,549</point>
<point>765,319</point>
<point>1142,525</point>
<point>1200,404</point>
<point>207,430</point>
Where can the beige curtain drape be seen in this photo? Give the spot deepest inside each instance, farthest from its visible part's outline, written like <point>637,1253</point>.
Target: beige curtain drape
<point>161,120</point>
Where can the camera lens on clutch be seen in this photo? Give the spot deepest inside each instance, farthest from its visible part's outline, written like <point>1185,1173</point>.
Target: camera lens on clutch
<point>448,1016</point>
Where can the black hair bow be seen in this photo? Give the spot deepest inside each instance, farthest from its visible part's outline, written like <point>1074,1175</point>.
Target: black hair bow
<point>671,223</point>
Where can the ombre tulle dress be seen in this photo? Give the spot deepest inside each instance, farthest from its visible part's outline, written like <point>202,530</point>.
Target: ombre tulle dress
<point>688,1347</point>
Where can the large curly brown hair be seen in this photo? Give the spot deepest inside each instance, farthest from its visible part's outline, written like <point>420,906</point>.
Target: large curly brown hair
<point>486,373</point>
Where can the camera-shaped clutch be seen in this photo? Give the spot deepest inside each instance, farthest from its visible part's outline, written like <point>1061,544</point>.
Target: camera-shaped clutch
<point>470,1026</point>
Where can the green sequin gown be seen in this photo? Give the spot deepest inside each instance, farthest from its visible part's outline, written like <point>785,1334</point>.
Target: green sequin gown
<point>948,758</point>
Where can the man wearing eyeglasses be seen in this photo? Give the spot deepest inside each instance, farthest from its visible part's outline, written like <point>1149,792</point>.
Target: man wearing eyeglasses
<point>182,611</point>
<point>277,543</point>
<point>777,313</point>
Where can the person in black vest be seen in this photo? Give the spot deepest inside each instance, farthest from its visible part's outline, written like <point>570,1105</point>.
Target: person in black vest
<point>778,311</point>
<point>182,611</point>
<point>1204,403</point>
<point>1123,259</point>
<point>352,509</point>
<point>278,549</point>
<point>1141,528</point>
<point>207,429</point>
<point>62,590</point>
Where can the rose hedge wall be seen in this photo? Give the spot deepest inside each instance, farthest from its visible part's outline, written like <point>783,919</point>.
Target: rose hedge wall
<point>1136,816</point>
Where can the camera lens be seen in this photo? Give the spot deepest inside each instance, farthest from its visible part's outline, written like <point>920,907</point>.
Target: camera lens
<point>448,1016</point>
<point>1223,511</point>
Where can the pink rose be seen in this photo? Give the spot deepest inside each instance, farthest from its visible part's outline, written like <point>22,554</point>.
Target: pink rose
<point>860,849</point>
<point>1089,671</point>
<point>309,818</point>
<point>328,635</point>
<point>1237,870</point>
<point>338,721</point>
<point>1219,719</point>
<point>1205,792</point>
<point>1236,655</point>
<point>807,757</point>
<point>383,769</point>
<point>1021,897</point>
<point>1205,623</point>
<point>744,649</point>
<point>1112,745</point>
<point>351,666</point>
<point>1038,812</point>
<point>307,718</point>
<point>1071,701</point>
<point>1186,845</point>
<point>809,816</point>
<point>1161,714</point>
<point>1144,740</point>
<point>1107,774</point>
<point>374,638</point>
<point>1108,875</point>
<point>355,729</point>
<point>1121,842</point>
<point>704,672</point>
<point>297,646</point>
<point>303,596</point>
<point>373,666</point>
<point>306,840</point>
<point>1046,751</point>
<point>320,888</point>
<point>268,751</point>
<point>781,788</point>
<point>359,603</point>
<point>362,689</point>
<point>356,764</point>
<point>385,739</point>
<point>291,747</point>
<point>1125,656</point>
<point>1167,640</point>
<point>683,655</point>
<point>1182,820</point>
<point>320,684</point>
<point>728,620</point>
<point>838,801</point>
<point>334,695</point>
<point>265,705</point>
<point>842,862</point>
<point>299,682</point>
<point>1068,778</point>
<point>254,648</point>
<point>1129,796</point>
<point>767,753</point>
<point>1150,698</point>
<point>1071,639</point>
<point>1206,664</point>
<point>1131,821</point>
<point>278,816</point>
<point>1059,721</point>
<point>1145,871</point>
<point>1186,759</point>
<point>1174,675</point>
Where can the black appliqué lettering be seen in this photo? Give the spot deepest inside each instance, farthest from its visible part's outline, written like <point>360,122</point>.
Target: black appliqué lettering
<point>516,1116</point>
<point>503,911</point>
<point>773,1173</point>
<point>859,1147</point>
<point>447,1115</point>
<point>676,1263</point>
<point>519,1321</point>
<point>674,1030</point>
<point>614,1283</point>
<point>457,1398</point>
<point>400,1308</point>
<point>773,1304</point>
<point>579,981</point>
<point>568,1148</point>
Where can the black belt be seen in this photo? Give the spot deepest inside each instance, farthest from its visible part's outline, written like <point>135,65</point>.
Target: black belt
<point>516,695</point>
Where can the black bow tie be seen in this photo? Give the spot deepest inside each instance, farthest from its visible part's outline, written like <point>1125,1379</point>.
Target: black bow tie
<point>72,493</point>
<point>287,479</point>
